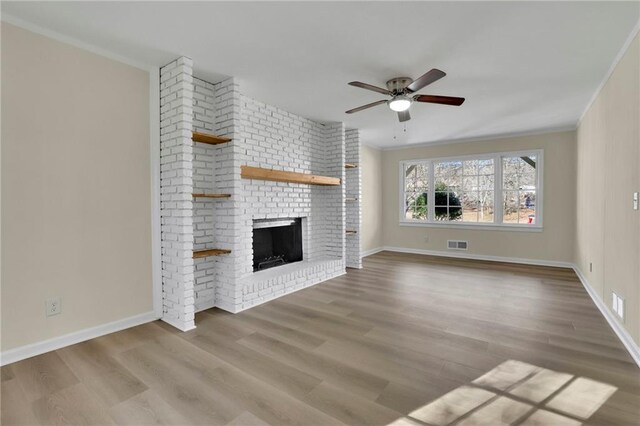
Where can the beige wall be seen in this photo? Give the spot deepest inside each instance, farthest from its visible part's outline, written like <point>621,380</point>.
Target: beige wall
<point>554,243</point>
<point>608,229</point>
<point>76,197</point>
<point>371,228</point>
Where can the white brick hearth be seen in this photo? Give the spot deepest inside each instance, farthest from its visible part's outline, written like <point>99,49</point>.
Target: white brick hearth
<point>269,284</point>
<point>262,136</point>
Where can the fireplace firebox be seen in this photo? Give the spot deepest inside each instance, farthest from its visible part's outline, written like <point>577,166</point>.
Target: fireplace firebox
<point>276,242</point>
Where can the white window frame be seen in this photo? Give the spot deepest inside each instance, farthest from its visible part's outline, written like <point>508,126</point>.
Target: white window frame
<point>497,215</point>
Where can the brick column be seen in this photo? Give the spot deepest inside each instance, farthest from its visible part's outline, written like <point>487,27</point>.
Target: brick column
<point>333,198</point>
<point>229,212</point>
<point>176,188</point>
<point>353,184</point>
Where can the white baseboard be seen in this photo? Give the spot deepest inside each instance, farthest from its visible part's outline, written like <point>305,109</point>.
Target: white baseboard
<point>33,349</point>
<point>621,332</point>
<point>372,251</point>
<point>473,256</point>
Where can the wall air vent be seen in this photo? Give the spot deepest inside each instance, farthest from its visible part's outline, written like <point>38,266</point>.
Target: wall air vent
<point>457,245</point>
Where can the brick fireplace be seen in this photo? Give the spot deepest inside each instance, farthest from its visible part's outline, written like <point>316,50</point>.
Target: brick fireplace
<point>261,136</point>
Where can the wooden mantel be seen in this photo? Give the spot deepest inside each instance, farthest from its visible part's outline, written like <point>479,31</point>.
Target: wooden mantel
<point>248,172</point>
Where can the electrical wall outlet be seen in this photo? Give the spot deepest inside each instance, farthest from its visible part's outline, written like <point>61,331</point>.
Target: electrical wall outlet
<point>53,306</point>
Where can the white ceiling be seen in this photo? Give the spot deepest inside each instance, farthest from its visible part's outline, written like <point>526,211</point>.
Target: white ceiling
<point>523,66</point>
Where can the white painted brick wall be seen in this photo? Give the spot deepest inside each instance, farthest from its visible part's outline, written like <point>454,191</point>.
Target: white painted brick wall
<point>228,159</point>
<point>176,187</point>
<point>329,201</point>
<point>204,182</point>
<point>262,136</point>
<point>353,186</point>
<point>273,138</point>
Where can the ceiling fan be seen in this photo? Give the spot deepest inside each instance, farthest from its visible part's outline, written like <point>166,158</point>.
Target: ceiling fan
<point>401,90</point>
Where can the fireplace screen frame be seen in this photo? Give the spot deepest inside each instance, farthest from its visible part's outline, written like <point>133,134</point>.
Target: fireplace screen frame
<point>277,242</point>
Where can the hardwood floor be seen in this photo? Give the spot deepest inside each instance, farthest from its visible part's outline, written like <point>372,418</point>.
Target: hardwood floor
<point>408,340</point>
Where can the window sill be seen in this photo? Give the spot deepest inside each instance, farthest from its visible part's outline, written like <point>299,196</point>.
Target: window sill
<point>485,227</point>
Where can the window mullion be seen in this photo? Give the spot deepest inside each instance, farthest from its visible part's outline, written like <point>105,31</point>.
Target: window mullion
<point>403,190</point>
<point>432,194</point>
<point>498,205</point>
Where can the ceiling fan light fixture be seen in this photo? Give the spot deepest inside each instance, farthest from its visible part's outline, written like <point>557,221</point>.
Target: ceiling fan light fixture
<point>400,103</point>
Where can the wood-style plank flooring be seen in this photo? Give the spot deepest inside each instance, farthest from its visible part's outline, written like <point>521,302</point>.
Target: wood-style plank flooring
<point>408,340</point>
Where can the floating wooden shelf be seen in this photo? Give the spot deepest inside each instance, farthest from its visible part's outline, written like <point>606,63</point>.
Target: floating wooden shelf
<point>248,172</point>
<point>206,195</point>
<point>351,199</point>
<point>350,166</point>
<point>351,232</point>
<point>211,252</point>
<point>210,139</point>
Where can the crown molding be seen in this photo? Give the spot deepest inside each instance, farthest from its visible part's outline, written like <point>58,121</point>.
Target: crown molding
<point>29,26</point>
<point>561,129</point>
<point>618,58</point>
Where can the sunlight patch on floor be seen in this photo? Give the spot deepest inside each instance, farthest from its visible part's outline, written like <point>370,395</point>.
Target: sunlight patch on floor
<point>515,393</point>
<point>452,406</point>
<point>582,397</point>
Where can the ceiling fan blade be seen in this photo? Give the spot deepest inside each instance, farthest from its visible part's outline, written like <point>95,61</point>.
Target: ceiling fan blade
<point>428,78</point>
<point>404,116</point>
<point>436,99</point>
<point>370,87</point>
<point>360,108</point>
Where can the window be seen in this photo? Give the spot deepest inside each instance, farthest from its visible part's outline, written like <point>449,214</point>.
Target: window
<point>519,183</point>
<point>492,190</point>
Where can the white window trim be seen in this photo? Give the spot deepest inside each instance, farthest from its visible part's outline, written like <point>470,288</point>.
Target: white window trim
<point>497,225</point>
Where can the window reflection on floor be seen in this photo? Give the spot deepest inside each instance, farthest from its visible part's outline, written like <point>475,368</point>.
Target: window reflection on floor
<point>515,393</point>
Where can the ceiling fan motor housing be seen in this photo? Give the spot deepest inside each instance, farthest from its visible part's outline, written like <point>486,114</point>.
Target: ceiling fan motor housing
<point>398,84</point>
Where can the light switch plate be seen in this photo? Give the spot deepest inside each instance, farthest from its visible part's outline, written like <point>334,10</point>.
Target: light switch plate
<point>617,304</point>
<point>635,201</point>
<point>621,308</point>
